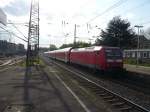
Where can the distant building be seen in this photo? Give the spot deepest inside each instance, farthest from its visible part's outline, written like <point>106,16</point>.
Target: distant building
<point>4,35</point>
<point>144,43</point>
<point>9,49</point>
<point>3,17</point>
<point>143,53</point>
<point>133,53</point>
<point>20,49</point>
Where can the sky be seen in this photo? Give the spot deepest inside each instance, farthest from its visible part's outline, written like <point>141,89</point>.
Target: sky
<point>80,12</point>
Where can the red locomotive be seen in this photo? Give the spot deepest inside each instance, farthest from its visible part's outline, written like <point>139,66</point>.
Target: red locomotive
<point>96,57</point>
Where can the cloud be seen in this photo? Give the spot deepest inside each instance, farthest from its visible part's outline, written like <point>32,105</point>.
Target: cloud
<point>71,11</point>
<point>4,3</point>
<point>17,7</point>
<point>130,16</point>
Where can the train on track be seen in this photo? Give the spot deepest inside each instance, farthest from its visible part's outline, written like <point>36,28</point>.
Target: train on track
<point>96,57</point>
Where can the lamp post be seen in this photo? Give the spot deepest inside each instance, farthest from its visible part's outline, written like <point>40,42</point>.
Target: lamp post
<point>90,40</point>
<point>75,33</point>
<point>49,40</point>
<point>138,44</point>
<point>66,35</point>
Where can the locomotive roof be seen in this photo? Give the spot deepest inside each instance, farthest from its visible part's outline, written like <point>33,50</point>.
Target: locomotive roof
<point>49,52</point>
<point>93,48</point>
<point>63,50</point>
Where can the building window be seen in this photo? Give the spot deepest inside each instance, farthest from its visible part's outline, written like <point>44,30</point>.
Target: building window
<point>128,54</point>
<point>138,54</point>
<point>145,55</point>
<point>133,54</point>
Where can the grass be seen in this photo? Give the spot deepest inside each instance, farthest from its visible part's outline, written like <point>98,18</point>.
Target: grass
<point>22,63</point>
<point>35,62</point>
<point>133,62</point>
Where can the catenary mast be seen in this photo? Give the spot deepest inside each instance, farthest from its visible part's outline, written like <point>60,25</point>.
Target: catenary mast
<point>33,34</point>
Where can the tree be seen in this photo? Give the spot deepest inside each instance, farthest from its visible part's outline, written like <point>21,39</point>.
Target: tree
<point>117,34</point>
<point>52,47</point>
<point>65,46</point>
<point>43,49</point>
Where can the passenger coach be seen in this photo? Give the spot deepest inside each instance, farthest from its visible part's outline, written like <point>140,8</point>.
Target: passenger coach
<point>61,54</point>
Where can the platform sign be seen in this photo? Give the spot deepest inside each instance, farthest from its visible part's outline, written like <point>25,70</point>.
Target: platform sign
<point>3,17</point>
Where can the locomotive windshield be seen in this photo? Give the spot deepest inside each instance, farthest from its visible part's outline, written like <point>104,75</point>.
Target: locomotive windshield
<point>113,53</point>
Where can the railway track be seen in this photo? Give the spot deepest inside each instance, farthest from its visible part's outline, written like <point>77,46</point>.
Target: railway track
<point>118,102</point>
<point>137,84</point>
<point>10,64</point>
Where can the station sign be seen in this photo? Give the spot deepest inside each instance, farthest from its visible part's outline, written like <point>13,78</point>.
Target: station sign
<point>3,17</point>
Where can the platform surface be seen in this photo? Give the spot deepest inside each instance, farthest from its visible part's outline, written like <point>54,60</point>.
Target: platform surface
<point>29,90</point>
<point>138,69</point>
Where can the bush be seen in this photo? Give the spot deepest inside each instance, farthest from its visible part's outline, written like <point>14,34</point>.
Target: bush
<point>133,62</point>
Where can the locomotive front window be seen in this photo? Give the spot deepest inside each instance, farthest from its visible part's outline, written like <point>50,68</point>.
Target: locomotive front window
<point>113,53</point>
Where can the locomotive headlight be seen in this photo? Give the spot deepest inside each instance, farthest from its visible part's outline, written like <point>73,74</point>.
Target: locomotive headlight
<point>110,60</point>
<point>119,60</point>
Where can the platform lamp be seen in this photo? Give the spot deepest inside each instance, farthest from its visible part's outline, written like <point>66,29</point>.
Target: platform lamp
<point>138,44</point>
<point>75,34</point>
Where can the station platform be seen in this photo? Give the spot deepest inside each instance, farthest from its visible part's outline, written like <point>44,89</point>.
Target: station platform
<point>34,92</point>
<point>137,69</point>
<point>31,90</point>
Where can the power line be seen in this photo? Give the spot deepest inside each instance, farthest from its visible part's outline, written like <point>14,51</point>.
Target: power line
<point>18,30</point>
<point>13,34</point>
<point>142,4</point>
<point>108,9</point>
<point>24,23</point>
<point>117,4</point>
<point>145,22</point>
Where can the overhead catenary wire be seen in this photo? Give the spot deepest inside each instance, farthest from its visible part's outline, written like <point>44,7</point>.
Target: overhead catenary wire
<point>13,34</point>
<point>18,30</point>
<point>133,8</point>
<point>117,4</point>
<point>139,5</point>
<point>145,23</point>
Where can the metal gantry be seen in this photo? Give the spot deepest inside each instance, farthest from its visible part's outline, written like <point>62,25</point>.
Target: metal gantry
<point>33,34</point>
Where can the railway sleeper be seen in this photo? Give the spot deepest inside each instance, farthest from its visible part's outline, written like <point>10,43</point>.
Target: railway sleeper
<point>103,94</point>
<point>97,89</point>
<point>124,109</point>
<point>99,92</point>
<point>108,97</point>
<point>83,83</point>
<point>89,85</point>
<point>114,100</point>
<point>118,104</point>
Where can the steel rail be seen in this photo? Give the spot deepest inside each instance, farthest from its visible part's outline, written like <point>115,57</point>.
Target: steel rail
<point>105,89</point>
<point>3,68</point>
